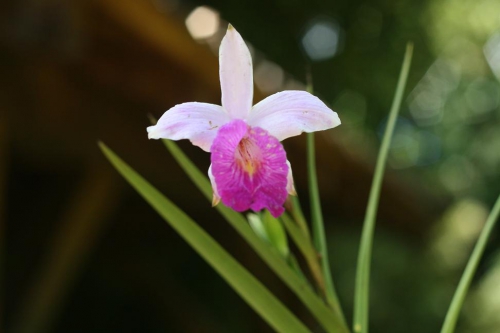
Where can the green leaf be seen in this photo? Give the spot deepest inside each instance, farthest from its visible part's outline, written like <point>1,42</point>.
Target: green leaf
<point>292,261</point>
<point>362,288</point>
<point>318,228</point>
<point>244,283</point>
<point>330,321</point>
<point>459,297</point>
<point>296,212</point>
<point>307,249</point>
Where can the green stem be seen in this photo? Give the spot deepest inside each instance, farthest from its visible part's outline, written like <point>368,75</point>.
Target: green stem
<point>459,297</point>
<point>298,216</point>
<point>308,252</point>
<point>318,230</point>
<point>362,288</point>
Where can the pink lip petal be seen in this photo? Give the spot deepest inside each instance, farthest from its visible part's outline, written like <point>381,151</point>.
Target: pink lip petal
<point>236,74</point>
<point>260,183</point>
<point>198,122</point>
<point>272,179</point>
<point>227,177</point>
<point>289,113</point>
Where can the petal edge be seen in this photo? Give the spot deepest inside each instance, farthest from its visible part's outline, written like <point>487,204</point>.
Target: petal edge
<point>289,113</point>
<point>198,122</point>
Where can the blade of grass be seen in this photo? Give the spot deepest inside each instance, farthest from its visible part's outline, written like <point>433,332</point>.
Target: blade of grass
<point>307,249</point>
<point>318,228</point>
<point>296,211</point>
<point>459,297</point>
<point>244,283</point>
<point>330,321</point>
<point>362,288</point>
<point>294,264</point>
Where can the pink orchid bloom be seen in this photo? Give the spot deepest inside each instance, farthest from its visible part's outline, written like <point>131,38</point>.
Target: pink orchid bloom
<point>249,166</point>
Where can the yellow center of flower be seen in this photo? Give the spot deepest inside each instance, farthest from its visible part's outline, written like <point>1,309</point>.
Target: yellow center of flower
<point>247,156</point>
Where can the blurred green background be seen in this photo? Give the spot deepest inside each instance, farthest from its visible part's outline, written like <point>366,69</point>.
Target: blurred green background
<point>81,252</point>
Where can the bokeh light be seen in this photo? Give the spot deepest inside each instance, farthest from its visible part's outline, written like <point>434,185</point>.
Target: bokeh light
<point>321,39</point>
<point>492,53</point>
<point>454,236</point>
<point>202,22</point>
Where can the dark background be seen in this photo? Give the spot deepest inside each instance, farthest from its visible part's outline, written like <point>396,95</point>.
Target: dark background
<point>82,252</point>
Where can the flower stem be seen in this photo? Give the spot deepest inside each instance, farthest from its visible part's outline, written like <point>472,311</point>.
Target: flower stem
<point>318,230</point>
<point>298,216</point>
<point>362,288</point>
<point>308,251</point>
<point>459,297</point>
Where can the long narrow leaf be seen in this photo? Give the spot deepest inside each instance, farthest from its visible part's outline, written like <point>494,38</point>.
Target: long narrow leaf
<point>330,321</point>
<point>307,249</point>
<point>362,289</point>
<point>244,283</point>
<point>318,228</point>
<point>296,212</point>
<point>459,297</point>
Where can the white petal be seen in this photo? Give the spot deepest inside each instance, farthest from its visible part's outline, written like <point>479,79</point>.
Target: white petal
<point>289,113</point>
<point>289,185</point>
<point>198,122</point>
<point>216,196</point>
<point>236,76</point>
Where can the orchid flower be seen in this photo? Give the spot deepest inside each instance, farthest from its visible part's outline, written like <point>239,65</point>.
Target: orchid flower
<point>249,167</point>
